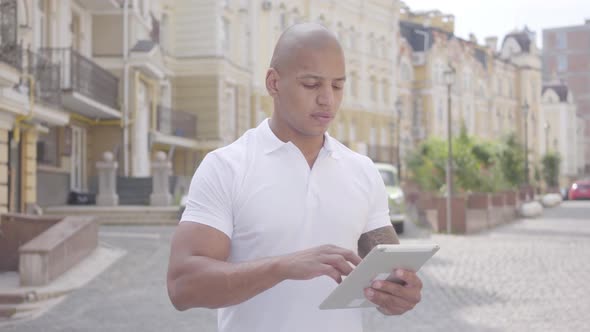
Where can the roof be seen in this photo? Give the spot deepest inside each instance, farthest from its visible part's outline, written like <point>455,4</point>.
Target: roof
<point>414,33</point>
<point>482,57</point>
<point>522,38</point>
<point>560,89</point>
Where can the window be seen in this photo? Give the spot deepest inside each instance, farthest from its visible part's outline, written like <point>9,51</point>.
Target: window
<point>373,88</point>
<point>164,42</point>
<point>385,47</point>
<point>47,151</point>
<point>352,131</point>
<point>383,135</point>
<point>225,36</point>
<point>283,21</point>
<point>406,73</point>
<point>353,84</point>
<point>561,39</point>
<point>561,63</point>
<point>352,37</point>
<point>385,94</point>
<point>340,130</point>
<point>372,44</point>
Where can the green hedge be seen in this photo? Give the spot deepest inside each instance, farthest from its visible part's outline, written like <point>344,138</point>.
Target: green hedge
<point>478,165</point>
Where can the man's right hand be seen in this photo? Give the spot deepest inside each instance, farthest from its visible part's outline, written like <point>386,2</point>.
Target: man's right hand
<point>328,260</point>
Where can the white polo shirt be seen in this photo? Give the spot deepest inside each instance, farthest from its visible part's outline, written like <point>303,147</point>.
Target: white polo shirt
<point>262,194</point>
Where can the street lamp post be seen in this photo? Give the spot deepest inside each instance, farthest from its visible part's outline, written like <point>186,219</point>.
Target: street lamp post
<point>525,111</point>
<point>398,107</point>
<point>449,79</point>
<point>547,127</point>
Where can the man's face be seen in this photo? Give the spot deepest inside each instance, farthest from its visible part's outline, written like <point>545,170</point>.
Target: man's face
<point>310,91</point>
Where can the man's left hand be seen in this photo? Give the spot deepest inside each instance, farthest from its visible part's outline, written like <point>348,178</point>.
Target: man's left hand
<point>395,299</point>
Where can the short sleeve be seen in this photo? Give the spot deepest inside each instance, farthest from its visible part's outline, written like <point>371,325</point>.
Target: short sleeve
<point>379,207</point>
<point>209,198</point>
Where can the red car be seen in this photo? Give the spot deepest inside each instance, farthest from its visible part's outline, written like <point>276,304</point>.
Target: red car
<point>580,190</point>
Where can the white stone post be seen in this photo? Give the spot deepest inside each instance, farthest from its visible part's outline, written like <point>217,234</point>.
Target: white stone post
<point>161,170</point>
<point>107,181</point>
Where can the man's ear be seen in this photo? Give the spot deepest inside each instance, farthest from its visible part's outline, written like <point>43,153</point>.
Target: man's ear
<point>272,82</point>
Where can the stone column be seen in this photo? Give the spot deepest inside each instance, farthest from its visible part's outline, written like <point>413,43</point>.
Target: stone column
<point>107,181</point>
<point>161,170</point>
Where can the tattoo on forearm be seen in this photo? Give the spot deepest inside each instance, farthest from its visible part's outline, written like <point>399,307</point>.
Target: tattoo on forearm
<point>383,235</point>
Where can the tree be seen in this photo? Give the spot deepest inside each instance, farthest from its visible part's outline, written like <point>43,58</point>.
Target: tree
<point>551,162</point>
<point>511,159</point>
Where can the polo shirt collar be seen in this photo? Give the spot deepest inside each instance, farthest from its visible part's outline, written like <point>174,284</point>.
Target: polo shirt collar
<point>272,143</point>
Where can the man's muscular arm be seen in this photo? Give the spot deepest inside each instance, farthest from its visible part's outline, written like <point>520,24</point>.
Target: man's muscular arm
<point>391,298</point>
<point>383,235</point>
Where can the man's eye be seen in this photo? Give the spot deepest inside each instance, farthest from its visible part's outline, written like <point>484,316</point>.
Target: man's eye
<point>311,86</point>
<point>337,87</point>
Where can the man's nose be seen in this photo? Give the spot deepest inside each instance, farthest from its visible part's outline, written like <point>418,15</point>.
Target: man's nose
<point>326,96</point>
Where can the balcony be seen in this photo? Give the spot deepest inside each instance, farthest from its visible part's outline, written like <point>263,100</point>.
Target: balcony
<point>47,78</point>
<point>88,89</point>
<point>10,52</point>
<point>176,123</point>
<point>179,129</point>
<point>381,153</point>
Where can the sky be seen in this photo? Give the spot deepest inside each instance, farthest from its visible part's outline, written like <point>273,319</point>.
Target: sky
<point>487,18</point>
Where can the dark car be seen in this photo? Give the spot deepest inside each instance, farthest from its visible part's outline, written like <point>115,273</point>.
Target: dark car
<point>580,190</point>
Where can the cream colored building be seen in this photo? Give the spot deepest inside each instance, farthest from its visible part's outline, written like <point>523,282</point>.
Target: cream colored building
<point>367,31</point>
<point>491,86</point>
<point>561,130</point>
<point>29,110</point>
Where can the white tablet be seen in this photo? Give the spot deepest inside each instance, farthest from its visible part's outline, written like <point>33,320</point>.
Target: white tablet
<point>377,265</point>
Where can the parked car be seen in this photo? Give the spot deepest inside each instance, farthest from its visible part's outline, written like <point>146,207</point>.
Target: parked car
<point>395,194</point>
<point>580,190</point>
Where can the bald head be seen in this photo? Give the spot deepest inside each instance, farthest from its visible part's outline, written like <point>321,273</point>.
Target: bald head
<point>302,37</point>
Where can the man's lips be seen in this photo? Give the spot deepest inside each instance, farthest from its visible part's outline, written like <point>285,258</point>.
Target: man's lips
<point>323,117</point>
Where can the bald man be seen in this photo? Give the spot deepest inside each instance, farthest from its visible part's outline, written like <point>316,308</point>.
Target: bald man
<point>274,220</point>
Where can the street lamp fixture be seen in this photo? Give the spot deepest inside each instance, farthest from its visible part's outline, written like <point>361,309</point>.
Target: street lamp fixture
<point>525,112</point>
<point>398,107</point>
<point>449,76</point>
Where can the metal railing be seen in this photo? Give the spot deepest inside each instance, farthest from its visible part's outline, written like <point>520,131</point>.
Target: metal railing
<point>47,78</point>
<point>381,153</point>
<point>176,123</point>
<point>84,76</point>
<point>10,52</point>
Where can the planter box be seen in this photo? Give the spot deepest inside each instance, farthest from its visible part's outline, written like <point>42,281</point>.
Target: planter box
<point>510,205</point>
<point>56,250</point>
<point>478,210</point>
<point>458,217</point>
<point>16,230</point>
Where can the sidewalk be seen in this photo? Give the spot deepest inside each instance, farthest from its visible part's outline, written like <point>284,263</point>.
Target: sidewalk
<point>24,303</point>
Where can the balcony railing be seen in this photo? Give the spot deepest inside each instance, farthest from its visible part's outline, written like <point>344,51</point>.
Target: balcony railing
<point>380,153</point>
<point>176,123</point>
<point>82,75</point>
<point>47,78</point>
<point>10,51</point>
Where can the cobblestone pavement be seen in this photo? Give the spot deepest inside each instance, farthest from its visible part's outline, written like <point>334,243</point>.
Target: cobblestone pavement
<point>531,275</point>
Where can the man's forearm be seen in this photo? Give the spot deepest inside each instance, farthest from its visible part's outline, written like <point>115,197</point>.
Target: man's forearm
<point>383,235</point>
<point>208,283</point>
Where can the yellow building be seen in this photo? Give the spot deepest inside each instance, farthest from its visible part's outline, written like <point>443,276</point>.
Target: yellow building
<point>367,31</point>
<point>490,88</point>
<point>562,130</point>
<point>82,77</point>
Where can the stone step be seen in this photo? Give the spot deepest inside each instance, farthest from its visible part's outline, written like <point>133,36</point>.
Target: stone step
<point>123,215</point>
<point>25,310</point>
